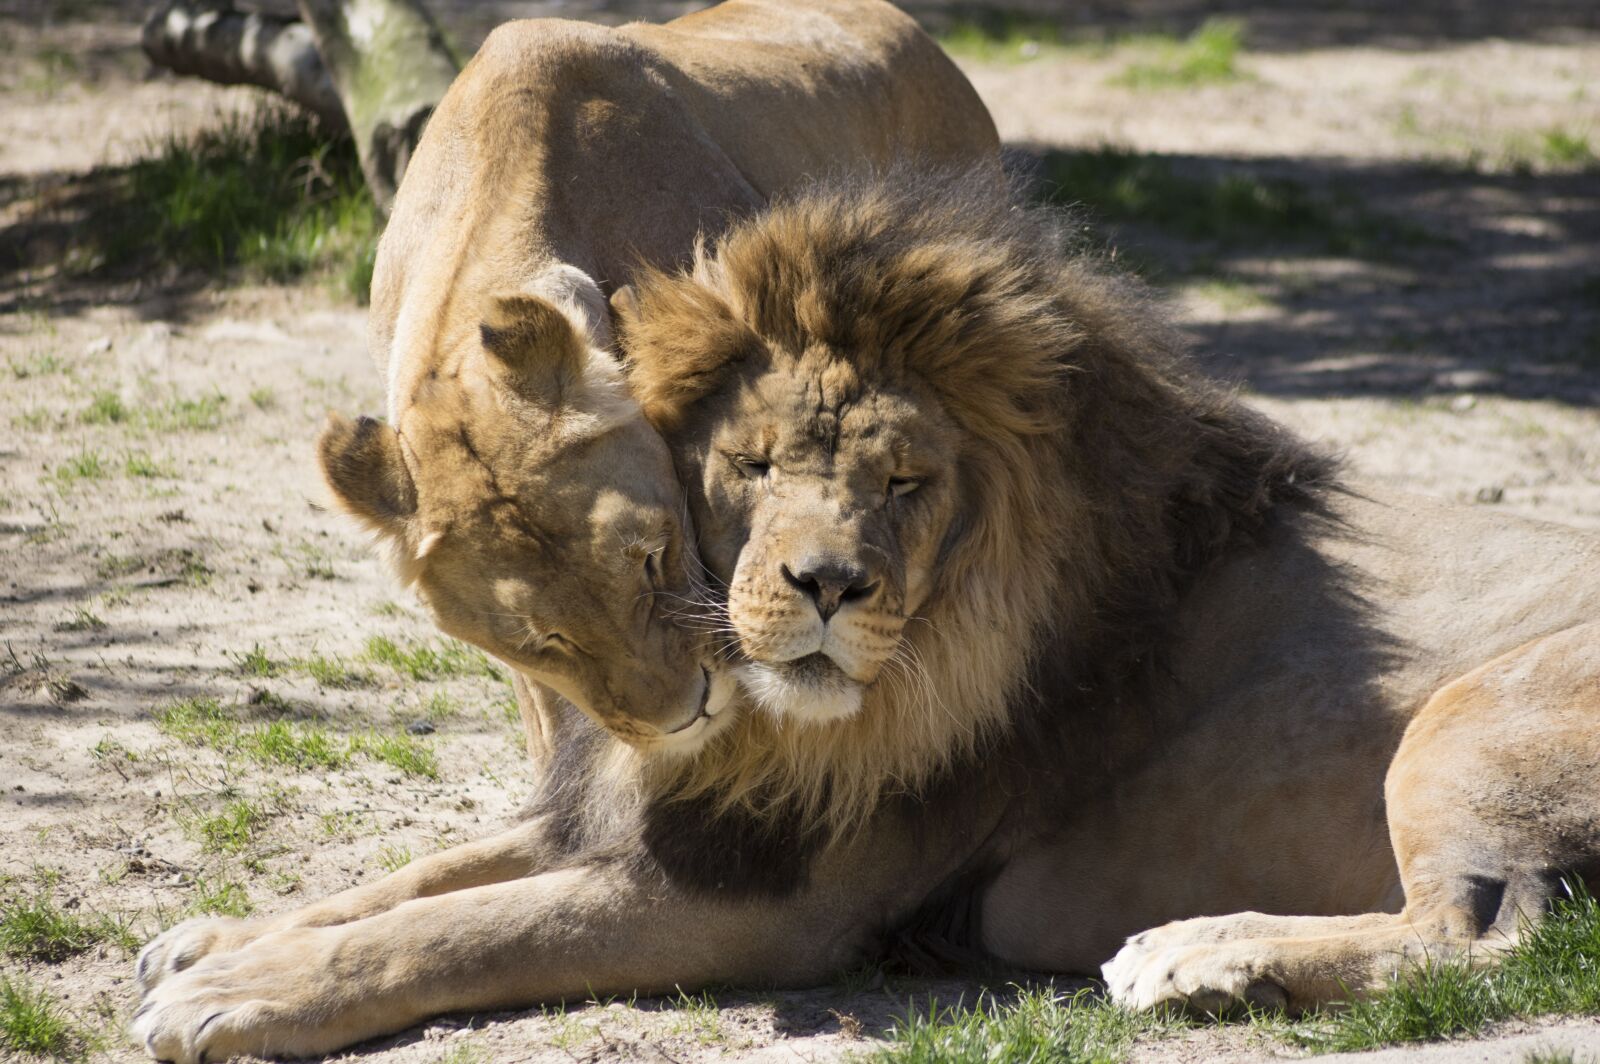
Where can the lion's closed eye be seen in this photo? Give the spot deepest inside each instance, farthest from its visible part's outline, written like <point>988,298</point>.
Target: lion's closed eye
<point>902,486</point>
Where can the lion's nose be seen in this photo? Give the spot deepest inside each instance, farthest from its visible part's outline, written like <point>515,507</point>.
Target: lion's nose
<point>830,582</point>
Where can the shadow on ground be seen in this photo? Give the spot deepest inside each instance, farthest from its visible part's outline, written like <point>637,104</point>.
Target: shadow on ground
<point>1354,278</point>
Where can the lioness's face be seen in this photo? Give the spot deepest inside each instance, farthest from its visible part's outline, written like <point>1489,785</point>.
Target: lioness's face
<point>552,535</point>
<point>822,501</point>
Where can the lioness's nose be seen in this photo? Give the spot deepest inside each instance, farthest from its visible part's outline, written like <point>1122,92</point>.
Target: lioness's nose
<point>830,582</point>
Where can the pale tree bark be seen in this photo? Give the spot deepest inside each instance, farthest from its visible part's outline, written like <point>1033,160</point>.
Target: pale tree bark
<point>375,68</point>
<point>390,66</point>
<point>215,42</point>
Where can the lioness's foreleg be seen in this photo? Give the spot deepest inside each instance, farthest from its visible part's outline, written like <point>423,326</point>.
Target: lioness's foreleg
<point>560,935</point>
<point>511,854</point>
<point>1492,799</point>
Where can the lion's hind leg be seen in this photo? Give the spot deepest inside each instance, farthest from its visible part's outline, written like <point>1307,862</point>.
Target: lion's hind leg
<point>1493,801</point>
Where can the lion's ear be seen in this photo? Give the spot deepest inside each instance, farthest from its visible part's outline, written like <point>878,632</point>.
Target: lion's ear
<point>676,337</point>
<point>537,348</point>
<point>361,462</point>
<point>625,303</point>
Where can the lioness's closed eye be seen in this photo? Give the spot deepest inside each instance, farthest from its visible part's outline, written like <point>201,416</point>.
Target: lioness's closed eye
<point>537,514</point>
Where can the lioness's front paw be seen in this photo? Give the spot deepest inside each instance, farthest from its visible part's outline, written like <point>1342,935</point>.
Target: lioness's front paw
<point>272,998</point>
<point>1213,979</point>
<point>183,944</point>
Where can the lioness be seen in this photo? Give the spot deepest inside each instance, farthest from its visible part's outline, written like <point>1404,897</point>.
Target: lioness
<point>515,482</point>
<point>1055,641</point>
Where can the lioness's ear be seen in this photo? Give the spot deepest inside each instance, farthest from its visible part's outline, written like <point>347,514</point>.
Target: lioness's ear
<point>535,344</point>
<point>361,462</point>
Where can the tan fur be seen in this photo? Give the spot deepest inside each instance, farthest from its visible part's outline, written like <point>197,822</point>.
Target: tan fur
<point>1231,684</point>
<point>515,483</point>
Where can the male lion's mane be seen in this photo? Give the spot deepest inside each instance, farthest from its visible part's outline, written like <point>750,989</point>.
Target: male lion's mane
<point>1101,477</point>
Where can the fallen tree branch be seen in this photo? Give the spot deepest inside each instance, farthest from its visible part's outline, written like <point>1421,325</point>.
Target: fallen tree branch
<point>216,42</point>
<point>391,66</point>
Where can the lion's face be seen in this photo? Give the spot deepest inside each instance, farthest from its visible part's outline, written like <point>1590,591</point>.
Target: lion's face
<point>549,532</point>
<point>822,501</point>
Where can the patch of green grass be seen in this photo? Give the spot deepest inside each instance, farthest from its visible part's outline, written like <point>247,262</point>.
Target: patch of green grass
<point>699,1017</point>
<point>177,414</point>
<point>194,572</point>
<point>85,465</point>
<point>333,671</point>
<point>1034,1025</point>
<point>392,858</point>
<point>440,706</point>
<point>1208,56</point>
<point>36,929</point>
<point>295,744</point>
<point>310,561</point>
<point>206,722</point>
<point>105,408</point>
<point>273,194</point>
<point>273,701</point>
<point>1457,146</point>
<point>198,722</point>
<point>263,398</point>
<point>1549,1056</point>
<point>255,662</point>
<point>141,465</point>
<point>32,1021</point>
<point>49,70</point>
<point>410,755</point>
<point>1526,151</point>
<point>1561,147</point>
<point>187,415</point>
<point>1231,294</point>
<point>1228,210</point>
<point>341,824</point>
<point>1000,36</point>
<point>114,565</point>
<point>355,276</point>
<point>422,661</point>
<point>38,364</point>
<point>1553,968</point>
<point>225,898</point>
<point>83,619</point>
<point>230,830</point>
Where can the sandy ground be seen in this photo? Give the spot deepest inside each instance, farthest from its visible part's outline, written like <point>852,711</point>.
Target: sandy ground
<point>1468,367</point>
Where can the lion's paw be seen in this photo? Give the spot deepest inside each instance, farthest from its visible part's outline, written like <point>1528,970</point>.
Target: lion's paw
<point>1210,979</point>
<point>180,946</point>
<point>268,999</point>
<point>196,1027</point>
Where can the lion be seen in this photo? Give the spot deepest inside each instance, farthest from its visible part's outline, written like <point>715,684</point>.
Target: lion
<point>514,480</point>
<point>1113,652</point>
